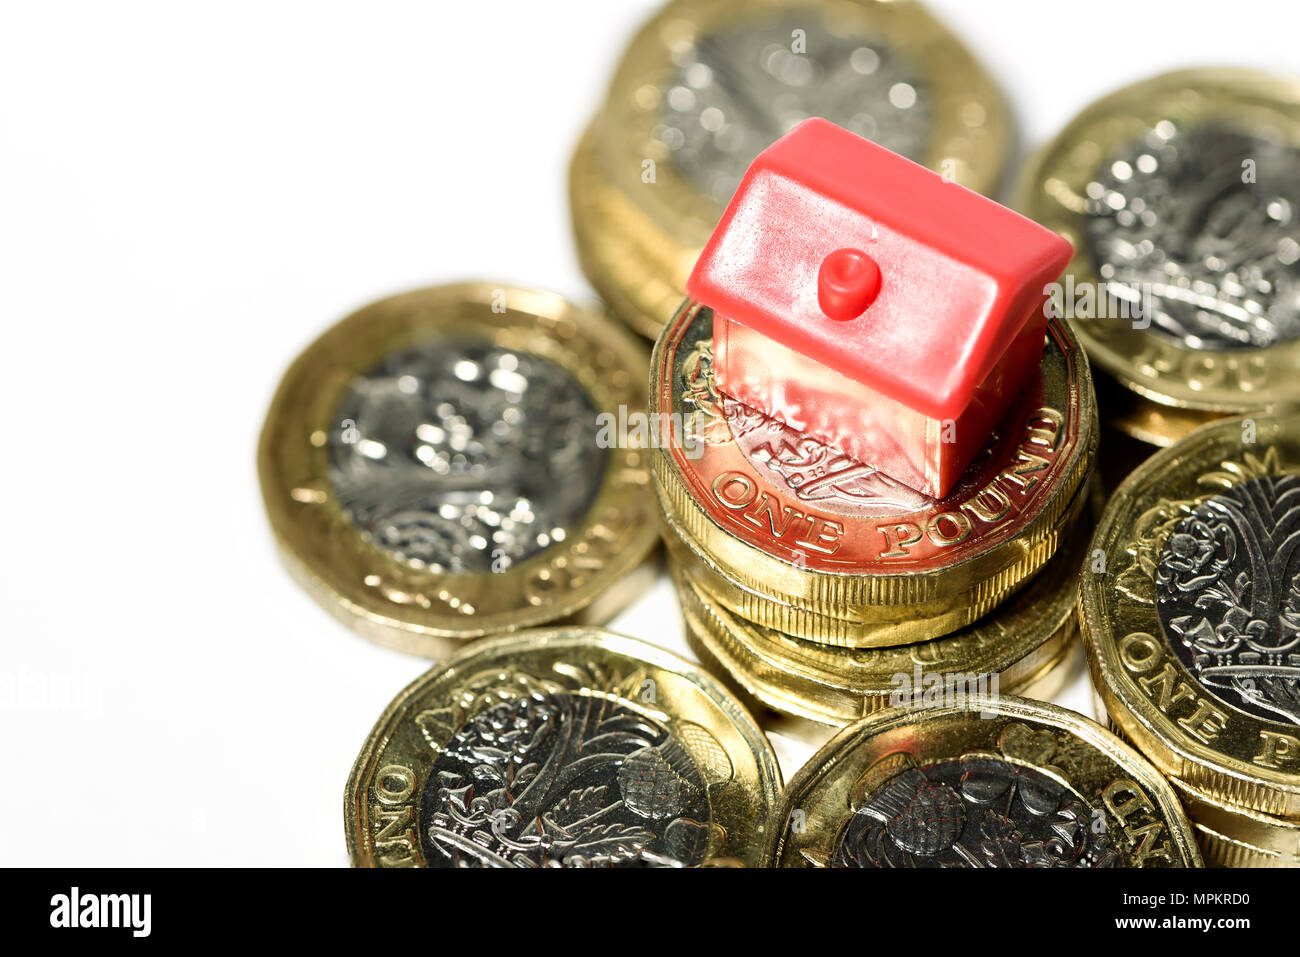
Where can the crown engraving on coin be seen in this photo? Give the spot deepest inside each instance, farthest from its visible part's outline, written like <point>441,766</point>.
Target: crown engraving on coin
<point>1228,594</point>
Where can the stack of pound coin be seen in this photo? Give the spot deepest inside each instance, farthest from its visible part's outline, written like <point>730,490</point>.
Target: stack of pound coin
<point>706,84</point>
<point>1002,782</point>
<point>1018,648</point>
<point>1191,622</point>
<point>1181,195</point>
<point>813,581</point>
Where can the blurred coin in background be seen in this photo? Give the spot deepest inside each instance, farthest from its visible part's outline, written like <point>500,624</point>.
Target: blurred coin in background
<point>707,84</point>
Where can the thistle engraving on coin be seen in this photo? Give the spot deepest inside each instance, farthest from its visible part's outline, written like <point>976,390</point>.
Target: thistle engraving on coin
<point>564,780</point>
<point>1228,594</point>
<point>465,456</point>
<point>1209,219</point>
<point>979,810</point>
<point>736,90</point>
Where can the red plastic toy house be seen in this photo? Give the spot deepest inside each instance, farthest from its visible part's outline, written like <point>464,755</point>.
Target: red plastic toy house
<point>868,302</point>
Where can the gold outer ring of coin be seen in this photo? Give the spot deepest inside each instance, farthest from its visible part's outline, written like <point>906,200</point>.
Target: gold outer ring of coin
<point>1011,649</point>
<point>584,579</point>
<point>1137,417</point>
<point>799,679</point>
<point>637,242</point>
<point>1112,779</point>
<point>732,757</point>
<point>1235,837</point>
<point>943,583</point>
<point>1147,691</point>
<point>1186,381</point>
<point>1228,835</point>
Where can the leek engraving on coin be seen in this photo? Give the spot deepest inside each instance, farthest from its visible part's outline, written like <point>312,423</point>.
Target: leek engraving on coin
<point>976,811</point>
<point>1209,220</point>
<point>465,456</point>
<point>564,780</point>
<point>1228,588</point>
<point>737,90</point>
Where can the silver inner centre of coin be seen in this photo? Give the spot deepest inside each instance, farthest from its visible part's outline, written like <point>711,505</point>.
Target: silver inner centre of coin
<point>1228,595</point>
<point>977,811</point>
<point>735,91</point>
<point>1207,220</point>
<point>464,456</point>
<point>564,780</point>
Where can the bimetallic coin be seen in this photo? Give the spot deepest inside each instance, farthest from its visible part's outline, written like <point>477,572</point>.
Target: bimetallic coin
<point>433,466</point>
<point>1193,624</point>
<point>1002,782</point>
<point>707,84</point>
<point>1182,196</point>
<point>568,747</point>
<point>1012,648</point>
<point>790,519</point>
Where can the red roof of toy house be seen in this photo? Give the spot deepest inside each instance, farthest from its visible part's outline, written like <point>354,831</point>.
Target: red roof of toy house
<point>958,273</point>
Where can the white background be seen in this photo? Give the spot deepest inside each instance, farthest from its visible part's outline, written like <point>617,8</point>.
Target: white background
<point>188,195</point>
